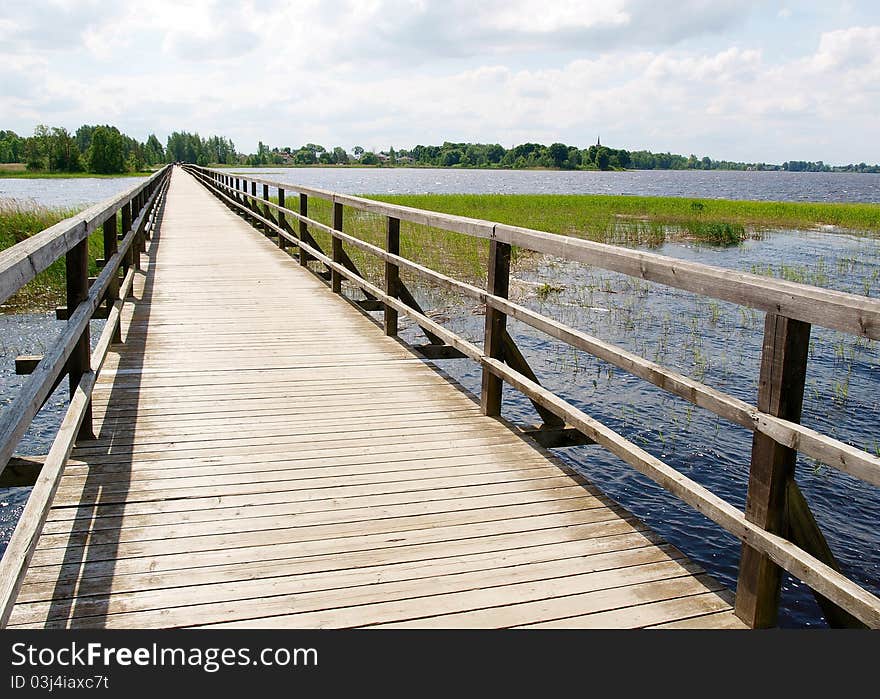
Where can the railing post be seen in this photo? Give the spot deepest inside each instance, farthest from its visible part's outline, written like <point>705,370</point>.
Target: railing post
<point>130,258</point>
<point>140,240</point>
<point>252,204</point>
<point>111,245</point>
<point>303,227</point>
<point>336,277</point>
<point>282,243</point>
<point>780,393</point>
<point>77,283</point>
<point>498,283</point>
<point>392,274</point>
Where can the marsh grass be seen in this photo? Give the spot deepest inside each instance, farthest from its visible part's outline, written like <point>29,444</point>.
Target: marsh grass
<point>596,216</point>
<point>18,222</point>
<point>618,220</point>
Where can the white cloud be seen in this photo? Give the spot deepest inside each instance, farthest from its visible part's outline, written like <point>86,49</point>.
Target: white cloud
<point>688,77</point>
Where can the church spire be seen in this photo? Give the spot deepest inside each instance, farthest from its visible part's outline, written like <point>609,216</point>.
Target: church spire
<point>598,141</point>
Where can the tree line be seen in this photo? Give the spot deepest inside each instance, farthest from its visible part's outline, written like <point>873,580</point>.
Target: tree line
<point>104,149</point>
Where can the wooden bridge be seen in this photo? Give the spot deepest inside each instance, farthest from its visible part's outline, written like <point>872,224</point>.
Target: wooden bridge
<point>245,446</point>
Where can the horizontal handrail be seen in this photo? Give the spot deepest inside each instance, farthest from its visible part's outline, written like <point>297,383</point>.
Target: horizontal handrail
<point>25,260</point>
<point>837,310</point>
<point>783,299</point>
<point>147,198</point>
<point>33,393</point>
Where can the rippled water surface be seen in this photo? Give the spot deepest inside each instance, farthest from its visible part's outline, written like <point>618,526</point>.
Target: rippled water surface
<point>718,184</point>
<point>774,186</point>
<point>74,192</point>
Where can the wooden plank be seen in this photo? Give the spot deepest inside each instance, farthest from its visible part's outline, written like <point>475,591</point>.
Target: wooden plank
<point>272,597</point>
<point>596,587</point>
<point>357,568</point>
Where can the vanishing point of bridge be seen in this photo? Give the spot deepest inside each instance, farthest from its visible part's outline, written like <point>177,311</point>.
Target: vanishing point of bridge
<point>246,448</point>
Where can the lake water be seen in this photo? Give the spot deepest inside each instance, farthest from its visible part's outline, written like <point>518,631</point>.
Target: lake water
<point>75,192</point>
<point>717,184</point>
<point>717,343</point>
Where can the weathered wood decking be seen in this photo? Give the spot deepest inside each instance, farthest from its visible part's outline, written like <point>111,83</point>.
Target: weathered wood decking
<point>266,457</point>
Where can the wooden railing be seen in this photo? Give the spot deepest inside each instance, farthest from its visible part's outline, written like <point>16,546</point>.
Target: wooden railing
<point>777,529</point>
<point>70,354</point>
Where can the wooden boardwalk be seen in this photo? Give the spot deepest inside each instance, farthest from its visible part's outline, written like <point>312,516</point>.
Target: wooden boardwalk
<point>267,458</point>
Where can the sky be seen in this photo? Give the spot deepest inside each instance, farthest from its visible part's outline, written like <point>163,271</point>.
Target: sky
<point>745,80</point>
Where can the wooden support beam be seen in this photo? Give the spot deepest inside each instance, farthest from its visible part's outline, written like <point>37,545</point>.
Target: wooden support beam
<point>370,305</point>
<point>439,352</point>
<point>79,362</point>
<point>557,437</point>
<point>337,251</point>
<point>781,394</point>
<point>21,471</point>
<point>804,531</point>
<point>496,324</point>
<point>404,294</point>
<point>26,363</point>
<point>62,313</point>
<point>392,273</point>
<point>516,361</point>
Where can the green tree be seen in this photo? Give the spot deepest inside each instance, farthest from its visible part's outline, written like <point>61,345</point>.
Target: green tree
<point>106,152</point>
<point>11,147</point>
<point>38,148</point>
<point>370,158</point>
<point>153,151</point>
<point>558,153</point>
<point>494,153</point>
<point>603,158</point>
<point>63,152</point>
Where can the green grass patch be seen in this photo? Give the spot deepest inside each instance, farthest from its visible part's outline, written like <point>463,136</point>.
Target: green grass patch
<point>46,175</point>
<point>618,220</point>
<point>19,222</point>
<point>596,216</point>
